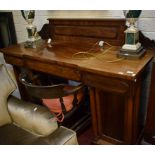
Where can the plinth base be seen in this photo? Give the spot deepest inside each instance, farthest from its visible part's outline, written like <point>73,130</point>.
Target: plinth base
<point>33,44</point>
<point>132,54</point>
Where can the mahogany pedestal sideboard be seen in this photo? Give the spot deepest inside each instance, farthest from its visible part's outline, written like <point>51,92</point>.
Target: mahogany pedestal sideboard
<point>114,84</point>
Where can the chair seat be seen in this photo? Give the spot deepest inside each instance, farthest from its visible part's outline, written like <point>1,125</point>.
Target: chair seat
<point>13,135</point>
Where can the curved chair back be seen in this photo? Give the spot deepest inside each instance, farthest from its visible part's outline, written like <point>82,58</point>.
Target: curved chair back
<point>59,98</point>
<point>50,91</point>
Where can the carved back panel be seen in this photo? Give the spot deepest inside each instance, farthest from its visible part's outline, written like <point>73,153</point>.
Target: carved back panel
<point>110,30</point>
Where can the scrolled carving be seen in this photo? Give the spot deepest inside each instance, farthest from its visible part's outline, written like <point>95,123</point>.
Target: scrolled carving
<point>146,42</point>
<point>44,32</point>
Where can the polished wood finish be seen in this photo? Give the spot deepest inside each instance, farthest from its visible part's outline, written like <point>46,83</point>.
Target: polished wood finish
<point>114,83</point>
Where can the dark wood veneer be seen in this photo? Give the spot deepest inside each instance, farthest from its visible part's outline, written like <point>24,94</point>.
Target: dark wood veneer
<point>88,30</point>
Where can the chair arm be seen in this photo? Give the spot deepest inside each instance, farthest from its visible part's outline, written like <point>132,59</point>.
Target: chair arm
<point>61,136</point>
<point>31,117</point>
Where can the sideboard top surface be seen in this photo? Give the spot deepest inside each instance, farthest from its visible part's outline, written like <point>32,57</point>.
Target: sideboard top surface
<point>99,61</point>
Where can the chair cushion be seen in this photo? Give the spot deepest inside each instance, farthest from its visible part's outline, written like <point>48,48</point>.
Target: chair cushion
<point>7,85</point>
<point>13,135</point>
<point>54,105</point>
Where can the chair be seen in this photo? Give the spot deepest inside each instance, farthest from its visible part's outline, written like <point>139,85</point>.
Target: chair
<point>27,123</point>
<point>62,99</point>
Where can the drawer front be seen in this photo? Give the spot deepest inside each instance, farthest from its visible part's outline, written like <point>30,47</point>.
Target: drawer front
<point>58,70</point>
<point>13,60</point>
<point>106,84</point>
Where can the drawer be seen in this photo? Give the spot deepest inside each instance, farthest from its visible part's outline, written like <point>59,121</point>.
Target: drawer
<point>54,69</point>
<point>13,60</point>
<point>106,83</point>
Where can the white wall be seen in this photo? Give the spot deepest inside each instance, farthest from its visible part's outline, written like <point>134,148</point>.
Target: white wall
<point>146,20</point>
